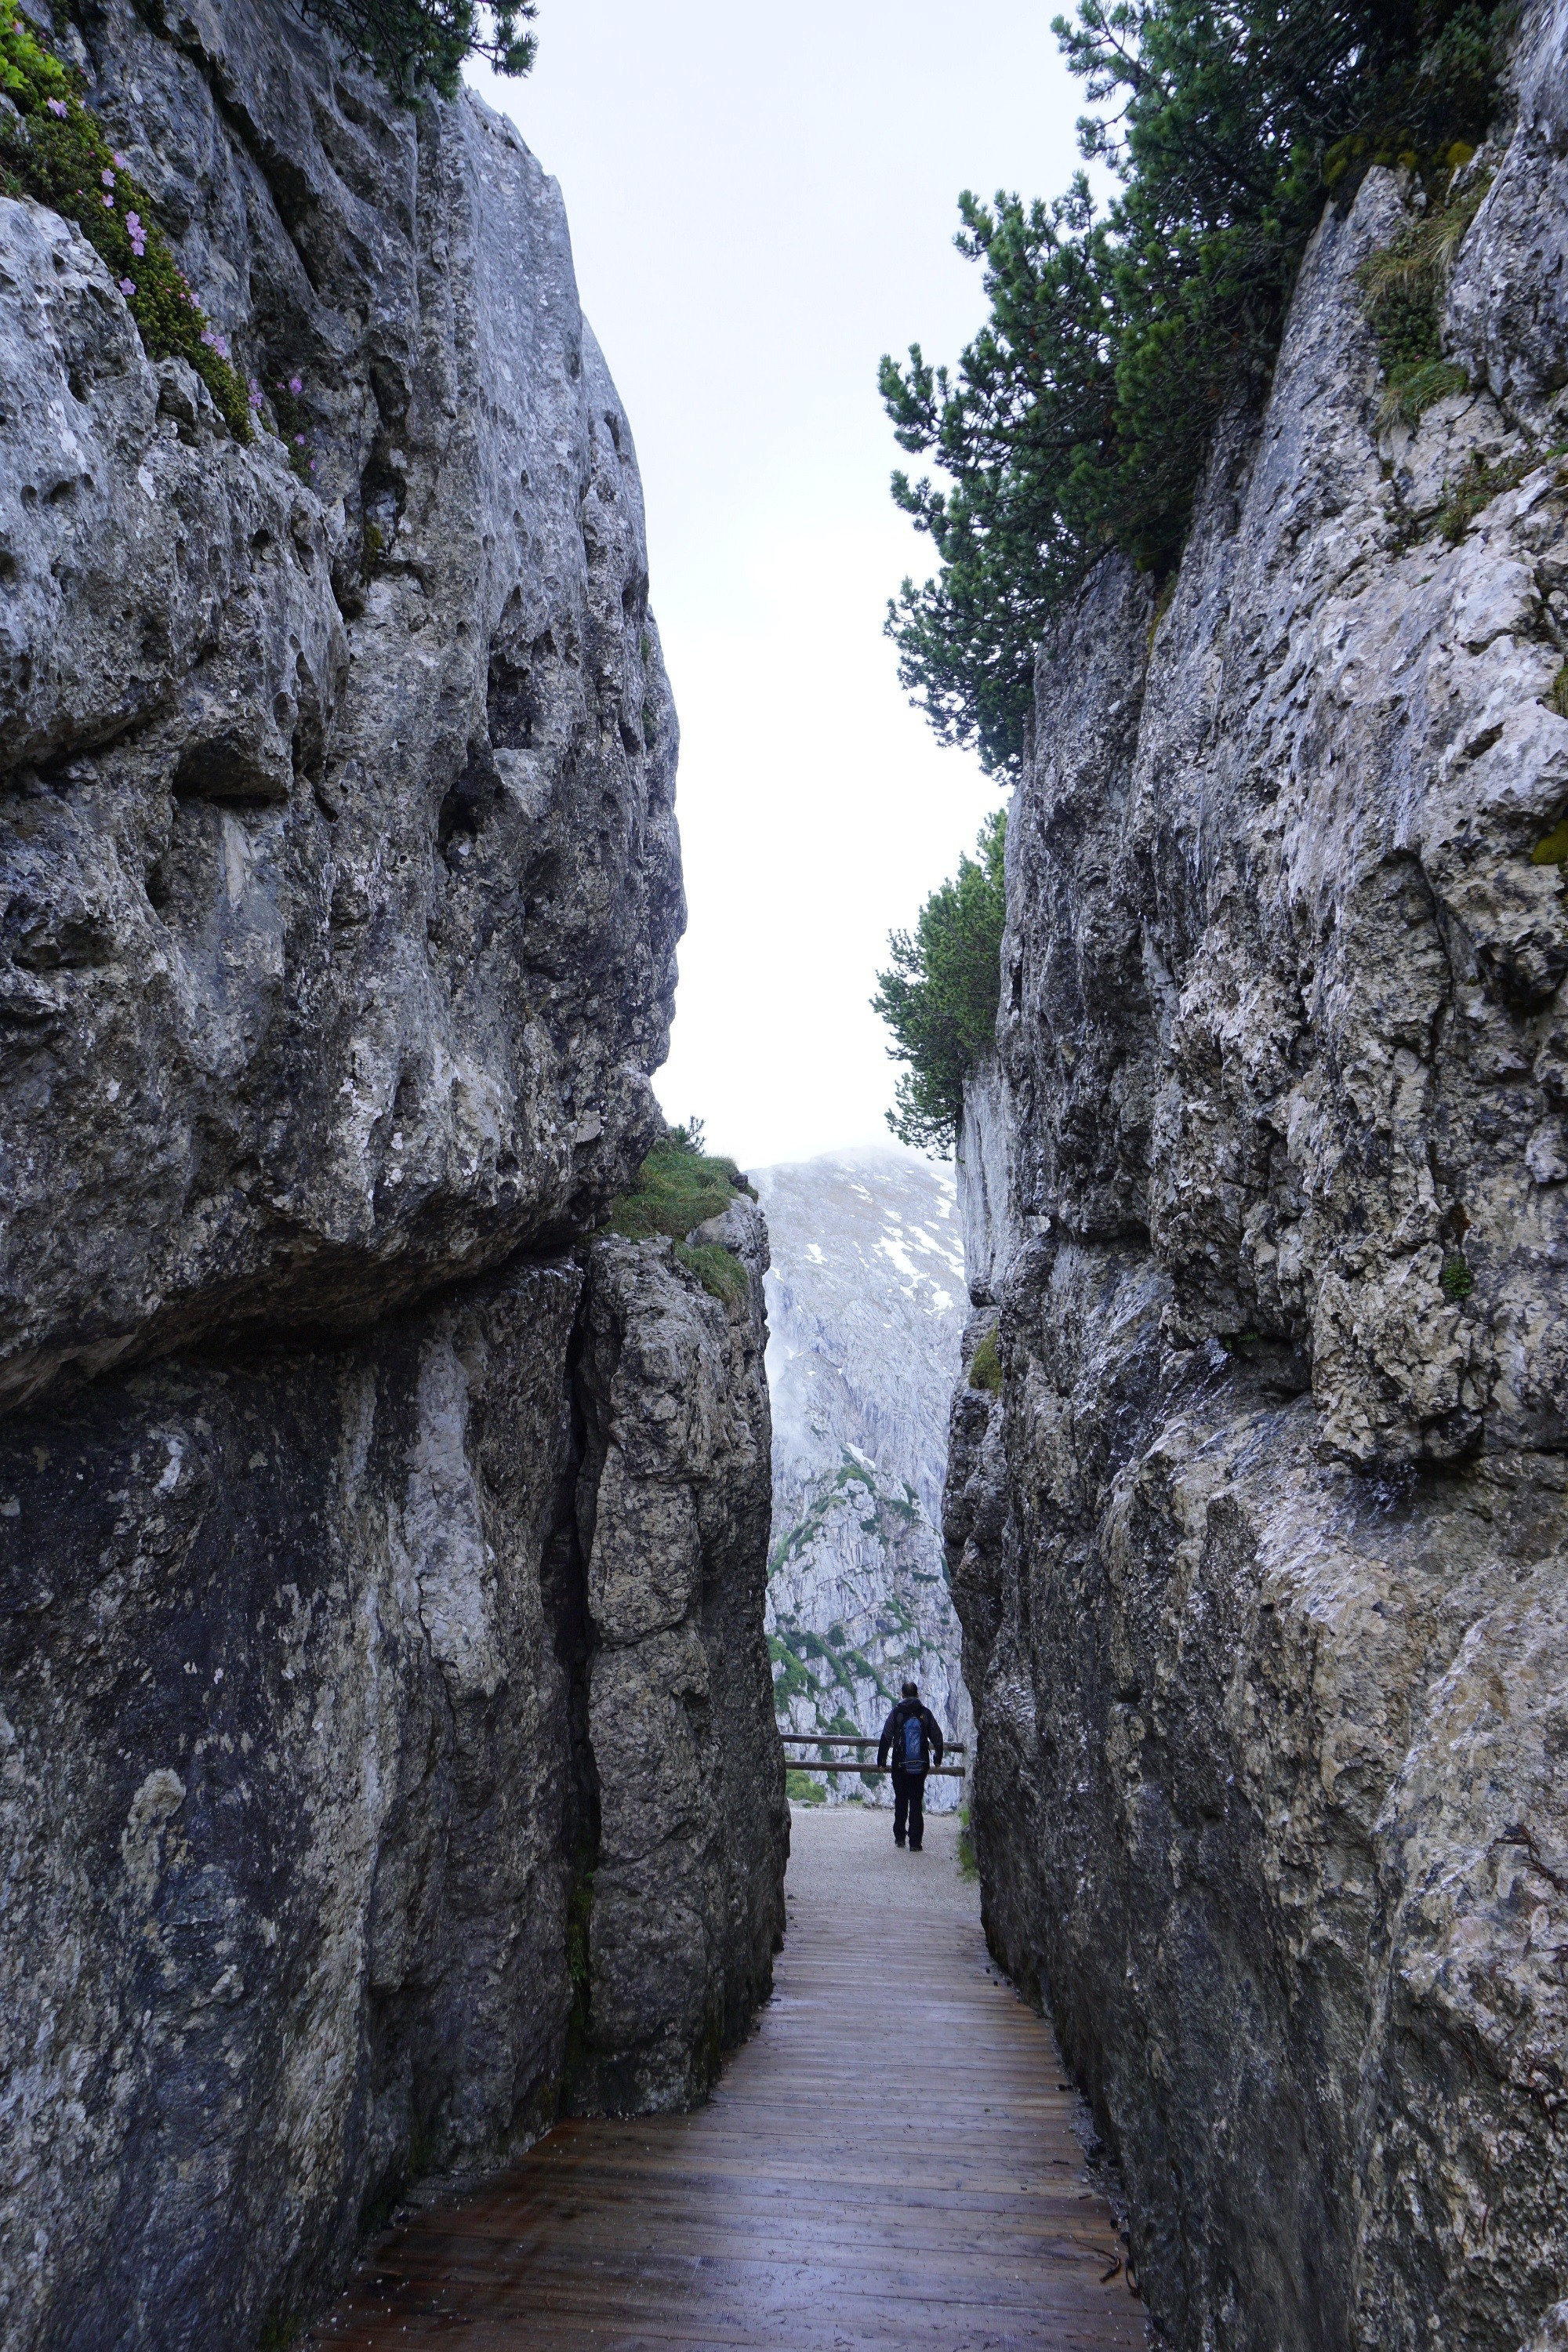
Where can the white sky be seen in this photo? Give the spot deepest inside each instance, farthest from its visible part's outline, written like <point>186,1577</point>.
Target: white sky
<point>761,202</point>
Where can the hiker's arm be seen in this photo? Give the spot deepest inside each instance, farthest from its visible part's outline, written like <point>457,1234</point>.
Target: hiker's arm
<point>884,1743</point>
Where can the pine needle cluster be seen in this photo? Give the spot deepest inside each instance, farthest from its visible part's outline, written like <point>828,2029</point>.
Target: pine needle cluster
<point>416,45</point>
<point>941,995</point>
<point>1081,416</point>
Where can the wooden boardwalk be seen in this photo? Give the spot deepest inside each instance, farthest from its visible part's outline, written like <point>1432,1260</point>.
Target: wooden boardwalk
<point>888,2161</point>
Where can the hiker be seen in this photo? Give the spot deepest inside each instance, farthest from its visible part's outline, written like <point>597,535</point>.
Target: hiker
<point>914,1737</point>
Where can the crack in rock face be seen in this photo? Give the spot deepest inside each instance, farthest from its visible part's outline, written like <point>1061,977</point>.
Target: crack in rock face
<point>1259,1549</point>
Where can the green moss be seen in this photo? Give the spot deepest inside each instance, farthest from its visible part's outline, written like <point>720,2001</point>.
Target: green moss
<point>1554,849</point>
<point>968,1867</point>
<point>985,1364</point>
<point>802,1789</point>
<point>57,154</point>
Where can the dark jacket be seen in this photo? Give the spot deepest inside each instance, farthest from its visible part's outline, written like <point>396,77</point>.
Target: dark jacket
<point>893,1734</point>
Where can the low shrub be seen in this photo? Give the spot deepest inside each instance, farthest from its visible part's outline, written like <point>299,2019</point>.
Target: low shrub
<point>801,1789</point>
<point>53,149</point>
<point>1456,1279</point>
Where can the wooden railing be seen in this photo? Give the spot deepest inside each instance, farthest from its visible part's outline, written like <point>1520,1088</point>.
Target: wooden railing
<point>840,1739</point>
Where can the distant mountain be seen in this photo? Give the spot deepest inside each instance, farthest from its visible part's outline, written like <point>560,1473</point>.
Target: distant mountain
<point>866,1307</point>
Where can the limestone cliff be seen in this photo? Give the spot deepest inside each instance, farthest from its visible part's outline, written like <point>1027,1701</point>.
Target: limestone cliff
<point>387,1749</point>
<point>1261,1551</point>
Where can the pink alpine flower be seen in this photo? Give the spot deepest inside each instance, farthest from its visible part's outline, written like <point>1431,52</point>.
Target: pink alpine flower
<point>109,204</point>
<point>295,384</point>
<point>121,163</point>
<point>107,177</point>
<point>58,106</point>
<point>128,287</point>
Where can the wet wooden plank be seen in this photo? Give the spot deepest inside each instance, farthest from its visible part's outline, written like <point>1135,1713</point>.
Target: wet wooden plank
<point>890,2161</point>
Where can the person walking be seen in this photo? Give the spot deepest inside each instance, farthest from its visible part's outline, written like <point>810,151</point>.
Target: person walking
<point>912,1735</point>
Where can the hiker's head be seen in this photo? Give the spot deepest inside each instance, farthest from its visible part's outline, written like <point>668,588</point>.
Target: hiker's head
<point>911,1690</point>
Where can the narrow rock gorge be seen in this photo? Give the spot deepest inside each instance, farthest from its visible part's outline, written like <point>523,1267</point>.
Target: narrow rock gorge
<point>386,1744</point>
<point>1260,1545</point>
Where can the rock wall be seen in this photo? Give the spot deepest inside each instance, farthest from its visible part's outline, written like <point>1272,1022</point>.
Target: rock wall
<point>690,1827</point>
<point>343,879</point>
<point>385,1730</point>
<point>1261,1552</point>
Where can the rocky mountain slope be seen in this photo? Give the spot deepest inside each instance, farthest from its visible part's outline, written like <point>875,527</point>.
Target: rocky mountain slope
<point>866,1311</point>
<point>387,1752</point>
<point>1261,1551</point>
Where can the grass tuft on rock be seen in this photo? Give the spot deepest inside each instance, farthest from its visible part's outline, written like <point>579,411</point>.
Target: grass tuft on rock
<point>679,1186</point>
<point>1480,483</point>
<point>1402,290</point>
<point>719,1270</point>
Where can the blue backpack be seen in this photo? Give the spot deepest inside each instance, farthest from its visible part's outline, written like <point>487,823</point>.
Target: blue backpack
<point>914,1758</point>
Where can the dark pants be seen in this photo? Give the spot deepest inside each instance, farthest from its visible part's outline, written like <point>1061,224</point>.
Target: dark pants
<point>909,1807</point>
